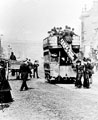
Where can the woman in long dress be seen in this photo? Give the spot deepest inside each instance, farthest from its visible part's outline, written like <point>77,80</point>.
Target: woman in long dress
<point>5,94</point>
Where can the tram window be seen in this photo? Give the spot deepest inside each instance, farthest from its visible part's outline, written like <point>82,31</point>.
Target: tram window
<point>46,65</point>
<point>76,48</point>
<point>46,58</point>
<point>54,57</point>
<point>64,59</point>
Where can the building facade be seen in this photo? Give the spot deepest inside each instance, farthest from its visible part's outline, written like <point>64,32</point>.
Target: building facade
<point>89,31</point>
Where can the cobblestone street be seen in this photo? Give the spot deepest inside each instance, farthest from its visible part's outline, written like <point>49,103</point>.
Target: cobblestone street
<point>45,101</point>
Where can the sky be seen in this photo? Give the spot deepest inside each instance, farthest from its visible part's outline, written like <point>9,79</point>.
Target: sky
<point>28,21</point>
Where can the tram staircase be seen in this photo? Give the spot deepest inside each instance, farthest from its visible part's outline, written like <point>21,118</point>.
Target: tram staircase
<point>68,50</point>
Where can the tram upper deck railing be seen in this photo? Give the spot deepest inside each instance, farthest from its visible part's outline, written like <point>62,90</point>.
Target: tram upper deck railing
<point>50,42</point>
<point>53,42</point>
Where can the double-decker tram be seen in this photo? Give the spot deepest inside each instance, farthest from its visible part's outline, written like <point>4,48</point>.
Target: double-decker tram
<point>59,57</point>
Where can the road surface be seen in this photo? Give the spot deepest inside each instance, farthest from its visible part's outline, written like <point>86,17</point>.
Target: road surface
<point>45,101</point>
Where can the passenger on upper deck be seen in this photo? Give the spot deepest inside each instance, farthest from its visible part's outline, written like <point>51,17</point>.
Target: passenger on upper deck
<point>72,33</point>
<point>68,34</point>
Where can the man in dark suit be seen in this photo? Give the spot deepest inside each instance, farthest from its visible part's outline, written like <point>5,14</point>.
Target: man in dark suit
<point>24,70</point>
<point>12,57</point>
<point>35,69</point>
<point>88,73</point>
<point>79,74</point>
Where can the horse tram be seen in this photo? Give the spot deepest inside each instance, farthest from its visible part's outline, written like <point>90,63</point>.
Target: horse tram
<point>60,53</point>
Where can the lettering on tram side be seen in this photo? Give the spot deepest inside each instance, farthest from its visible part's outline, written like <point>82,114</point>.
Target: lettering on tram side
<point>67,49</point>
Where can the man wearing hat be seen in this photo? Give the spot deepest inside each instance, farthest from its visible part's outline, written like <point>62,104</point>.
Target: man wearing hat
<point>35,69</point>
<point>30,65</point>
<point>88,68</point>
<point>79,74</point>
<point>66,35</point>
<point>24,70</point>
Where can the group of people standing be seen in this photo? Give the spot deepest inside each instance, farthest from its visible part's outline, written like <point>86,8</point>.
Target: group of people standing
<point>25,71</point>
<point>84,69</point>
